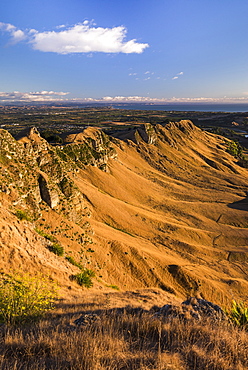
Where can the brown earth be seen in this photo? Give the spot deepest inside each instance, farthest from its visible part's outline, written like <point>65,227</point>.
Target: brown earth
<point>168,217</point>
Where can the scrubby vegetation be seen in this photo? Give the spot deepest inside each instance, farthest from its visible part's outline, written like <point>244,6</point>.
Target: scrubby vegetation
<point>238,314</point>
<point>22,215</point>
<point>84,278</point>
<point>56,249</point>
<point>45,235</point>
<point>235,149</point>
<point>24,298</point>
<point>73,262</point>
<point>123,339</point>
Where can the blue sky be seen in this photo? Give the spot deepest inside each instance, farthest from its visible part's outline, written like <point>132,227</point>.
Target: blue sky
<point>115,50</point>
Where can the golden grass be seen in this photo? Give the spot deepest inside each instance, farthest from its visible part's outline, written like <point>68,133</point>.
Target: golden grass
<point>123,339</point>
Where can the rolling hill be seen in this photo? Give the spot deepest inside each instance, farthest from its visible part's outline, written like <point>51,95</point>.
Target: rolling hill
<point>154,207</point>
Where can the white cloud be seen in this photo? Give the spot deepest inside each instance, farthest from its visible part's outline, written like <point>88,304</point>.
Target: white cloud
<point>61,26</point>
<point>16,35</point>
<point>39,96</point>
<point>7,27</point>
<point>146,99</point>
<point>176,77</point>
<point>53,96</point>
<point>80,38</point>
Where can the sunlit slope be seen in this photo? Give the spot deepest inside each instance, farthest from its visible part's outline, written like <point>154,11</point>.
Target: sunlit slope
<point>171,203</point>
<point>154,206</point>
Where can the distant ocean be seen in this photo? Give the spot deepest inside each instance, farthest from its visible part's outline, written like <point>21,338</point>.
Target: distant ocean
<point>185,107</point>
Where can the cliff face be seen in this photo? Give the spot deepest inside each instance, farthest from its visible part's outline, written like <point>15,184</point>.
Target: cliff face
<point>34,171</point>
<point>92,147</point>
<point>155,206</point>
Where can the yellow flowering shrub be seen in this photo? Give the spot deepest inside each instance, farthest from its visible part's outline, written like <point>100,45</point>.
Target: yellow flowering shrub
<point>24,297</point>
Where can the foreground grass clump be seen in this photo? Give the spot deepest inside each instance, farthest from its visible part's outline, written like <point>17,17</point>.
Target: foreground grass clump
<point>24,298</point>
<point>238,314</point>
<point>123,339</point>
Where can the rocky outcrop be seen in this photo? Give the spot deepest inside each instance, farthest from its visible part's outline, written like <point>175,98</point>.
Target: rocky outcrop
<point>31,171</point>
<point>145,133</point>
<point>47,192</point>
<point>90,147</point>
<point>87,319</point>
<point>192,308</point>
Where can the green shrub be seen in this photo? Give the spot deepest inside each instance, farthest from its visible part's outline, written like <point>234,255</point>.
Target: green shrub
<point>22,215</point>
<point>90,250</point>
<point>56,249</point>
<point>113,287</point>
<point>45,235</point>
<point>73,262</point>
<point>235,149</point>
<point>238,314</point>
<point>24,298</point>
<point>84,278</point>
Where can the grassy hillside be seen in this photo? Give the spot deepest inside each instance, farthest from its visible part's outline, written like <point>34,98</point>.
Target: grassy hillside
<point>153,206</point>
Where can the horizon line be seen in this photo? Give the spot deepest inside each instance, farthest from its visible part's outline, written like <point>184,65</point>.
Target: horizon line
<point>58,97</point>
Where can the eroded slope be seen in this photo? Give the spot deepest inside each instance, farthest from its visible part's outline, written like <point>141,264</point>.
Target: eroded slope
<point>159,206</point>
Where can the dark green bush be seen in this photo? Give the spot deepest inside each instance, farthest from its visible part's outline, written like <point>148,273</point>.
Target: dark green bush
<point>235,149</point>
<point>56,249</point>
<point>84,278</point>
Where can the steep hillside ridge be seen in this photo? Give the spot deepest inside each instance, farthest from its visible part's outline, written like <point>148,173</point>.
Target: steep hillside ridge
<point>90,147</point>
<point>152,207</point>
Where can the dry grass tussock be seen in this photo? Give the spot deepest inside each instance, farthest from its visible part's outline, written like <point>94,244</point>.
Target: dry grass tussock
<point>122,339</point>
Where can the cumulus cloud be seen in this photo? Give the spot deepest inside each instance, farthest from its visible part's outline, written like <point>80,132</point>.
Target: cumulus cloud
<point>16,35</point>
<point>175,78</point>
<point>80,38</point>
<point>39,96</point>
